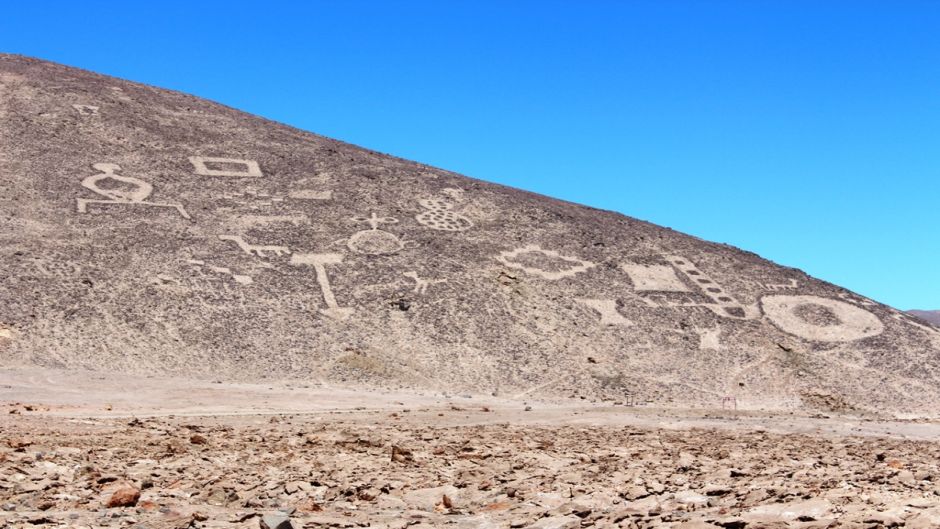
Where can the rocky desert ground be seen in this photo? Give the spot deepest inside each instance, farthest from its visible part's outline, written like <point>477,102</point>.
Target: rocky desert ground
<point>189,454</point>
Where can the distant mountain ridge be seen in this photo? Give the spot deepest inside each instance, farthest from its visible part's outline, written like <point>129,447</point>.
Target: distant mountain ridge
<point>932,316</point>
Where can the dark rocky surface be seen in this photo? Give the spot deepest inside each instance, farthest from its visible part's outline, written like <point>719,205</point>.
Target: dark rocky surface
<point>150,232</point>
<point>421,468</point>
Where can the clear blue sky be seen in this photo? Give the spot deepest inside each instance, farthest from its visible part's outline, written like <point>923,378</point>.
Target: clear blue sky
<point>808,132</point>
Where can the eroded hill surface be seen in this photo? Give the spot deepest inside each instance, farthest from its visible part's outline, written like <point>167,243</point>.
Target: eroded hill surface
<point>931,316</point>
<point>148,231</point>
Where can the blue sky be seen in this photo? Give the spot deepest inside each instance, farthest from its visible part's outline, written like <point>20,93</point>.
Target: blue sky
<point>808,132</point>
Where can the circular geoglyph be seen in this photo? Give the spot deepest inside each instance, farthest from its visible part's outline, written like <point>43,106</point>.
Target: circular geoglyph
<point>821,319</point>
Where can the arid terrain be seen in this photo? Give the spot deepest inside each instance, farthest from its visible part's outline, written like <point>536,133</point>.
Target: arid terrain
<point>150,232</point>
<point>931,316</point>
<point>211,320</point>
<point>189,454</point>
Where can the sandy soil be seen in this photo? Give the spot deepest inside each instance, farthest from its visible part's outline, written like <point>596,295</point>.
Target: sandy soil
<point>178,453</point>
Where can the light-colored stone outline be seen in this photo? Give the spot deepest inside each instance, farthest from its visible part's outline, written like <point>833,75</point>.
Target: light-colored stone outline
<point>654,278</point>
<point>607,308</point>
<point>86,110</point>
<point>252,169</point>
<point>118,196</point>
<point>580,265</point>
<point>777,287</point>
<point>438,206</point>
<point>319,262</point>
<point>725,305</point>
<point>661,280</point>
<point>310,194</point>
<point>421,285</point>
<point>239,278</point>
<point>355,241</point>
<point>709,338</point>
<point>255,249</point>
<point>856,322</point>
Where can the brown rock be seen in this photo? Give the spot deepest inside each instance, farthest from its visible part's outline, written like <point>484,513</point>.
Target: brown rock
<point>126,496</point>
<point>401,455</point>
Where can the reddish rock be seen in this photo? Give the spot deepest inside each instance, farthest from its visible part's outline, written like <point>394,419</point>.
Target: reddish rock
<point>124,497</point>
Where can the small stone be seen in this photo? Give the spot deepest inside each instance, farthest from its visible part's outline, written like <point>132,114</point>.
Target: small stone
<point>369,494</point>
<point>124,497</point>
<point>808,510</point>
<point>557,522</point>
<point>883,519</point>
<point>691,498</point>
<point>275,521</point>
<point>634,493</point>
<point>429,499</point>
<point>697,524</point>
<point>401,455</point>
<point>198,439</point>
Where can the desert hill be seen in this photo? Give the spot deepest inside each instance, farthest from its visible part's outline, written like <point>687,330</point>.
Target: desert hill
<point>147,231</point>
<point>931,316</point>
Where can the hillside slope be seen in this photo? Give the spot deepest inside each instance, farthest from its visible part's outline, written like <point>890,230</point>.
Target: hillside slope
<point>931,316</point>
<point>148,231</point>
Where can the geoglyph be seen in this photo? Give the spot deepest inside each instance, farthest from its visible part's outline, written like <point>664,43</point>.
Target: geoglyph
<point>523,283</point>
<point>375,241</point>
<point>837,321</point>
<point>136,194</point>
<point>319,261</point>
<point>547,264</point>
<point>234,167</point>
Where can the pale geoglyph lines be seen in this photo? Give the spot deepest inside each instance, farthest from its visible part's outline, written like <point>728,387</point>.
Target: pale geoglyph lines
<point>439,216</point>
<point>203,266</point>
<point>421,285</point>
<point>255,249</point>
<point>375,241</point>
<point>319,262</point>
<point>86,110</point>
<point>651,282</point>
<point>607,308</point>
<point>547,264</point>
<point>224,167</point>
<point>135,191</point>
<point>654,278</point>
<point>820,319</point>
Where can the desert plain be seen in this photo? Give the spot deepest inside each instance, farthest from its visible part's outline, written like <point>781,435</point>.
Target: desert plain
<point>119,451</point>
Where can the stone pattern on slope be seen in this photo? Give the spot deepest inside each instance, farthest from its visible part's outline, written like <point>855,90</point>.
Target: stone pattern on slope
<point>149,231</point>
<point>331,472</point>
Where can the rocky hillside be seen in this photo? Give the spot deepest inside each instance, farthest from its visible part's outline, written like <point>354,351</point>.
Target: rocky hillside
<point>931,316</point>
<point>148,231</point>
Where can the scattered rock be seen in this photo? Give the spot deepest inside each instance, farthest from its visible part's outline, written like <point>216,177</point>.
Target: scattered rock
<point>125,496</point>
<point>275,521</point>
<point>557,522</point>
